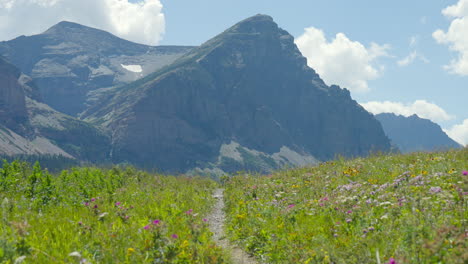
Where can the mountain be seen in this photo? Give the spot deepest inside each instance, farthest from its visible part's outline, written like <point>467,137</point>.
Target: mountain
<point>72,64</point>
<point>244,99</point>
<point>413,133</point>
<point>30,127</point>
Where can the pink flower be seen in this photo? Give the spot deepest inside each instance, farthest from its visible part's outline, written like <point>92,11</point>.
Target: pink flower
<point>147,227</point>
<point>205,220</point>
<point>392,261</point>
<point>349,211</point>
<point>95,206</point>
<point>93,199</point>
<point>189,211</point>
<point>291,205</point>
<point>348,220</point>
<point>117,203</point>
<point>156,222</point>
<point>86,204</point>
<point>175,236</point>
<point>465,172</point>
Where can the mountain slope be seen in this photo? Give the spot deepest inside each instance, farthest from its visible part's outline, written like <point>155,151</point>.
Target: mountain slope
<point>30,127</point>
<point>413,133</point>
<point>248,87</point>
<point>71,63</point>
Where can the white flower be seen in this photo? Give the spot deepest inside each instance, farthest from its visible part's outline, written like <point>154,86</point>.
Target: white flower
<point>75,254</point>
<point>20,260</point>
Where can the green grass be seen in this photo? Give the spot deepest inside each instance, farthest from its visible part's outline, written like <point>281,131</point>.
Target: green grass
<point>98,216</point>
<point>403,208</point>
<point>411,208</point>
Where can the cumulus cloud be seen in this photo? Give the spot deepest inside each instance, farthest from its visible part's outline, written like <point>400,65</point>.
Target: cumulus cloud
<point>141,22</point>
<point>411,58</point>
<point>456,36</point>
<point>421,108</point>
<point>459,132</point>
<point>341,61</point>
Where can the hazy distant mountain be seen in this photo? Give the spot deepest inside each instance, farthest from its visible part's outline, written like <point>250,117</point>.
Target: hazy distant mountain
<point>28,126</point>
<point>245,99</point>
<point>413,133</point>
<point>72,64</point>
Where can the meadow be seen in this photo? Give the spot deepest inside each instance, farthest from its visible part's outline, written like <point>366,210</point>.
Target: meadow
<point>383,209</point>
<point>89,215</point>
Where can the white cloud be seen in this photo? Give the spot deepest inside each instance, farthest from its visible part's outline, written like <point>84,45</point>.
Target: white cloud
<point>141,22</point>
<point>456,36</point>
<point>341,61</point>
<point>413,41</point>
<point>422,108</point>
<point>411,58</point>
<point>459,132</point>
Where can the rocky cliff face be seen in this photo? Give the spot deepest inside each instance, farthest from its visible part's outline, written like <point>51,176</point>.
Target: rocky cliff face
<point>248,89</point>
<point>30,127</point>
<point>13,111</point>
<point>71,64</point>
<point>413,133</point>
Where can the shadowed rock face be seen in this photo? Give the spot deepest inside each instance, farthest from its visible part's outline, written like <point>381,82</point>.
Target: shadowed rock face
<point>30,127</point>
<point>249,85</point>
<point>413,133</point>
<point>71,63</point>
<point>13,113</point>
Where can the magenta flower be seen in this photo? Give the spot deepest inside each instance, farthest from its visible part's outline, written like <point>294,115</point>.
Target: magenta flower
<point>147,227</point>
<point>465,172</point>
<point>86,204</point>
<point>189,211</point>
<point>349,211</point>
<point>95,206</point>
<point>156,222</point>
<point>291,205</point>
<point>205,220</point>
<point>392,261</point>
<point>93,199</point>
<point>175,236</point>
<point>118,203</point>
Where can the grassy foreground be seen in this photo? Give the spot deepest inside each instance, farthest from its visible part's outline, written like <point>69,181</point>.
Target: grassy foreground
<point>383,209</point>
<point>94,216</point>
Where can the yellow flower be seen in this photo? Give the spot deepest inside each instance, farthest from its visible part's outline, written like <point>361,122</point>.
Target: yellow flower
<point>130,251</point>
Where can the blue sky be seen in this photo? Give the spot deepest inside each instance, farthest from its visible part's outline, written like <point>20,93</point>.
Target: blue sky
<point>389,47</point>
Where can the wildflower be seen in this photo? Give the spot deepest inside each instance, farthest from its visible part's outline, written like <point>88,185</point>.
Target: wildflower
<point>335,235</point>
<point>348,220</point>
<point>435,189</point>
<point>93,199</point>
<point>117,203</point>
<point>147,227</point>
<point>189,212</point>
<point>465,173</point>
<point>205,220</point>
<point>291,205</point>
<point>101,216</point>
<point>95,206</point>
<point>80,223</point>
<point>349,211</point>
<point>130,251</point>
<point>156,222</point>
<point>75,254</point>
<point>371,228</point>
<point>175,236</point>
<point>86,203</point>
<point>392,261</point>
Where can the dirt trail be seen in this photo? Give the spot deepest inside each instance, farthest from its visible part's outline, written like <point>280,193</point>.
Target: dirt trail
<point>216,220</point>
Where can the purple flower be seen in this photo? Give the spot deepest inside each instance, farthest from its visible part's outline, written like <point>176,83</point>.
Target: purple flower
<point>117,203</point>
<point>291,205</point>
<point>371,228</point>
<point>147,227</point>
<point>392,261</point>
<point>435,189</point>
<point>205,220</point>
<point>175,236</point>
<point>189,211</point>
<point>93,199</point>
<point>95,206</point>
<point>86,204</point>
<point>156,222</point>
<point>349,211</point>
<point>80,223</point>
<point>465,172</point>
